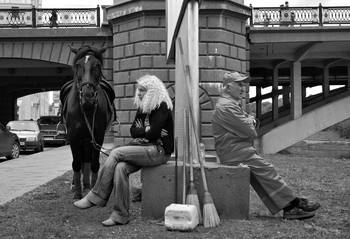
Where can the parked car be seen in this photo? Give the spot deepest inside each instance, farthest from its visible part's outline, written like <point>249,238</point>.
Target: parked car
<point>9,143</point>
<point>30,136</point>
<point>54,131</point>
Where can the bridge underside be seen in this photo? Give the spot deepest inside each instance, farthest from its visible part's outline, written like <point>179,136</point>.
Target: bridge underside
<point>21,77</point>
<point>38,60</point>
<point>307,70</point>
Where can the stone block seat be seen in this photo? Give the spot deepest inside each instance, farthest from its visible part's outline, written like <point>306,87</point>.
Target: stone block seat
<point>228,185</point>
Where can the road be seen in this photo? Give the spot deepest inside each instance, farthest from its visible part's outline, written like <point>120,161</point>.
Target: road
<point>23,154</point>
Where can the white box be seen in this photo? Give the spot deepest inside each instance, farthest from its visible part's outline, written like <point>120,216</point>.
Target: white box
<point>181,217</point>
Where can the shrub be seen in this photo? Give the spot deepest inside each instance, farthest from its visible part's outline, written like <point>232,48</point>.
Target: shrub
<point>343,128</point>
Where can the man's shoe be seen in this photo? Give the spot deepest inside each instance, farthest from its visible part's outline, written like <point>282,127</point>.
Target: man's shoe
<point>297,214</point>
<point>306,206</point>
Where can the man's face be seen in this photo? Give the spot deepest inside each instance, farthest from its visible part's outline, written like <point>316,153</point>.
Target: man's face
<point>236,89</point>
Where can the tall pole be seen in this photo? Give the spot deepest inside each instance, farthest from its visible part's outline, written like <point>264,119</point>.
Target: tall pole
<point>188,35</point>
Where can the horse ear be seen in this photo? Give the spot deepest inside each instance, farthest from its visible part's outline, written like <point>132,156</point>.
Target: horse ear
<point>74,50</point>
<point>103,49</point>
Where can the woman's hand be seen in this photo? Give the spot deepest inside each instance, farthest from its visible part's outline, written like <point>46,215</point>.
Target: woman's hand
<point>164,133</point>
<point>139,123</point>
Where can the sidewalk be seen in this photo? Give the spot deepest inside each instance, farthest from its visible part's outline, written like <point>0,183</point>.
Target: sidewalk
<point>18,176</point>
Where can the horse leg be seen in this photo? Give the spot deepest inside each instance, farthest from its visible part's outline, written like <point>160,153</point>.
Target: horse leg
<point>77,186</point>
<point>95,166</point>
<point>93,179</point>
<point>86,176</point>
<point>77,167</point>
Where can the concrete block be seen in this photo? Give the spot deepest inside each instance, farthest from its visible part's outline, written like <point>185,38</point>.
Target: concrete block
<point>228,185</point>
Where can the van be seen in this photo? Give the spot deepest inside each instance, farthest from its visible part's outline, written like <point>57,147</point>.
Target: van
<point>54,131</point>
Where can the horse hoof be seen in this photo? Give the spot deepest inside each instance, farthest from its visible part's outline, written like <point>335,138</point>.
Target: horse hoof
<point>72,187</point>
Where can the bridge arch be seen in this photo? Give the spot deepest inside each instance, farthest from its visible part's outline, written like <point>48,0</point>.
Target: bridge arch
<point>28,67</point>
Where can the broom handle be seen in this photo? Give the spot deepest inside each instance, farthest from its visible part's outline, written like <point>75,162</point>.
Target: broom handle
<point>176,157</point>
<point>188,86</point>
<point>188,142</point>
<point>184,163</point>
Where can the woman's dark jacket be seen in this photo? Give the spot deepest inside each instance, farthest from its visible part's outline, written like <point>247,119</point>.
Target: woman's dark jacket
<point>160,118</point>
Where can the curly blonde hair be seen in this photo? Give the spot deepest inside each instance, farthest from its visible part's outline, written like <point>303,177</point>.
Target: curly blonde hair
<point>156,94</point>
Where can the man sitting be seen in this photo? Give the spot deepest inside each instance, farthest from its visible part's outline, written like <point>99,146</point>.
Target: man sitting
<point>234,131</point>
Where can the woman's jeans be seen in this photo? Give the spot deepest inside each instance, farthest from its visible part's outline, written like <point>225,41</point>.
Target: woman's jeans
<point>122,162</point>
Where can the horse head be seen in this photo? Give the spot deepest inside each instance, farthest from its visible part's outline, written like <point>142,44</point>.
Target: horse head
<point>87,66</point>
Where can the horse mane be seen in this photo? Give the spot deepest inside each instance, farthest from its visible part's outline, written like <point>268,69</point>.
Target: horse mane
<point>86,49</point>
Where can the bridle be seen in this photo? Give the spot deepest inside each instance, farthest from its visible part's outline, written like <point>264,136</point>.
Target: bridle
<point>95,98</point>
<point>80,88</point>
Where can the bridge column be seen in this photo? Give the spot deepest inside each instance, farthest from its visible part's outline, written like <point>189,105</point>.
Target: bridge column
<point>258,102</point>
<point>296,99</point>
<point>8,107</point>
<point>348,75</point>
<point>325,82</point>
<point>139,47</point>
<point>274,94</point>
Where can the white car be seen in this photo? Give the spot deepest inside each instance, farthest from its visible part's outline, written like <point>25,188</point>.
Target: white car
<point>28,131</point>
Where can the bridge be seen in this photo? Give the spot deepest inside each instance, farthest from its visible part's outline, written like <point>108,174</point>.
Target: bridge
<point>288,50</point>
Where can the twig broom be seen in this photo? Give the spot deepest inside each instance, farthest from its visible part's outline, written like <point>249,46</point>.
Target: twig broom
<point>210,215</point>
<point>192,195</point>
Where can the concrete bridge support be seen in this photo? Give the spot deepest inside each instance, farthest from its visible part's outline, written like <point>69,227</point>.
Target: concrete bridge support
<point>304,126</point>
<point>296,98</point>
<point>139,47</point>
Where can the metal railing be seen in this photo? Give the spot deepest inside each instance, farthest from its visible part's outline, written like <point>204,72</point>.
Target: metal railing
<point>300,16</point>
<point>50,17</point>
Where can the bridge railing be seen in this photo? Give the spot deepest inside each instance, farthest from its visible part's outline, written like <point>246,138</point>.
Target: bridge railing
<point>299,16</point>
<point>50,17</point>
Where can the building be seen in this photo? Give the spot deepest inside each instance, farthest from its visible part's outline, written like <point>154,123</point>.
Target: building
<point>33,106</point>
<point>20,3</point>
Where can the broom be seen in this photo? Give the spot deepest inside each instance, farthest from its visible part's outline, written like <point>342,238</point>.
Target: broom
<point>210,215</point>
<point>192,195</point>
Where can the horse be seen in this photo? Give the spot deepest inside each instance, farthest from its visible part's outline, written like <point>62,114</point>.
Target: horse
<point>88,111</point>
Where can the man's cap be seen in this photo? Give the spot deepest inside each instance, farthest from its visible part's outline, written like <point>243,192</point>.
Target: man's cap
<point>235,77</point>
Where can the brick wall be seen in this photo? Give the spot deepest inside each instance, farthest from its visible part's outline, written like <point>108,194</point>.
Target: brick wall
<point>139,42</point>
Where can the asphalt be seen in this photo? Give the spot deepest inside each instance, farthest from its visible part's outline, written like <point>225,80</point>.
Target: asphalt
<point>21,175</point>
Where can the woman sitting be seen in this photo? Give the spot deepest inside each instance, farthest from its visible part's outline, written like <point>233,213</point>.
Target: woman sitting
<point>152,145</point>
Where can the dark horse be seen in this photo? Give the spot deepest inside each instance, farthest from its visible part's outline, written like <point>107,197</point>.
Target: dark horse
<point>88,111</point>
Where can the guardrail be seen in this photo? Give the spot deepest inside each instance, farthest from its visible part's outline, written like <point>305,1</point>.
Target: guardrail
<point>299,16</point>
<point>50,17</point>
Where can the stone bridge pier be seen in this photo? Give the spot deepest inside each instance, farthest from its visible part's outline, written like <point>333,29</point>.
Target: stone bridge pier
<point>139,47</point>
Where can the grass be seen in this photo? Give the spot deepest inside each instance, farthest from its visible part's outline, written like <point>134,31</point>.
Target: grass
<point>47,212</point>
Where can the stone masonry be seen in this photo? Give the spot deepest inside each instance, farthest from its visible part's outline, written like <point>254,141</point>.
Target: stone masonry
<point>139,47</point>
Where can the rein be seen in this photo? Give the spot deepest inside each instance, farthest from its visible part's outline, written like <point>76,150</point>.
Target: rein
<point>91,127</point>
<point>93,141</point>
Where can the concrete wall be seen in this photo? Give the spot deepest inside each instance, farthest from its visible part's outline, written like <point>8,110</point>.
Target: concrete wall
<point>139,43</point>
<point>228,186</point>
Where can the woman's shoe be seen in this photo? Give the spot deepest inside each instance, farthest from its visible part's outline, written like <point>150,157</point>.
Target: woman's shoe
<point>83,203</point>
<point>110,222</point>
